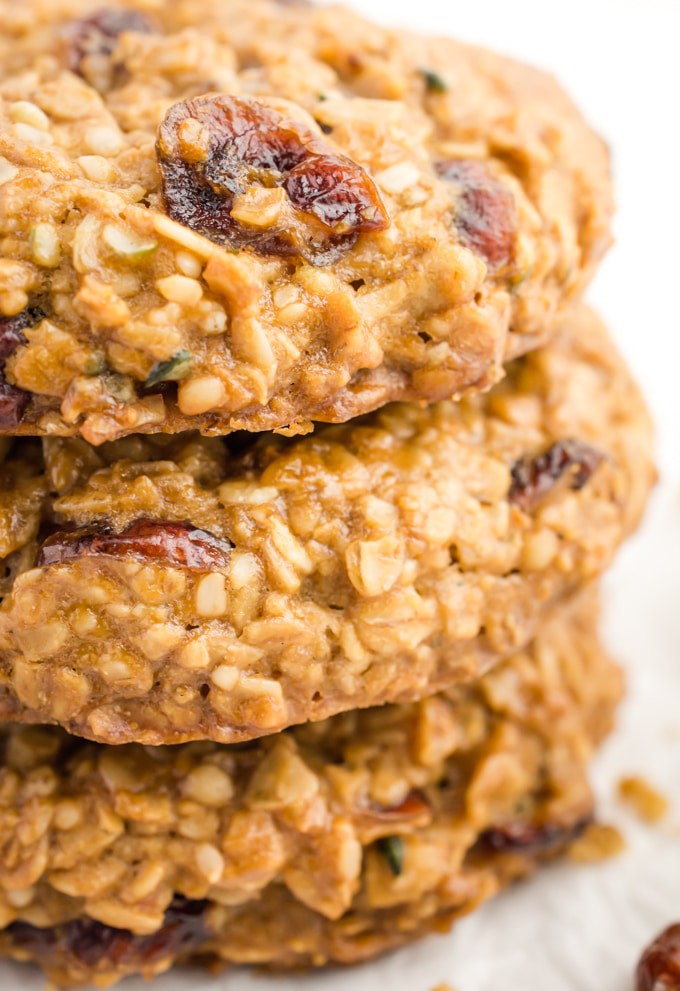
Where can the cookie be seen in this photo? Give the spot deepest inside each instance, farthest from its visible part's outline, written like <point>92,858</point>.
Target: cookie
<point>331,842</point>
<point>250,216</point>
<point>160,590</point>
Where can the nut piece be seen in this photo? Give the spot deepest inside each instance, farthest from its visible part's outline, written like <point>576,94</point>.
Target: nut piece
<point>208,785</point>
<point>211,596</point>
<point>374,566</point>
<point>200,394</point>
<point>213,150</point>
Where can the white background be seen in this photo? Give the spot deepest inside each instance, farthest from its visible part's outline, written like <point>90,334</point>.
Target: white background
<point>581,929</point>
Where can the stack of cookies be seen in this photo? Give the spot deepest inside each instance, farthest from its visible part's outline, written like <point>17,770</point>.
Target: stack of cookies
<point>311,462</point>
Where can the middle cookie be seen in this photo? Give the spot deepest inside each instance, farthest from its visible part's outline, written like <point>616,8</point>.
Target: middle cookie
<point>169,589</point>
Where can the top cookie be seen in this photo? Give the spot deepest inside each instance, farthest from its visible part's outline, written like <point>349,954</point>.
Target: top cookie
<point>231,215</point>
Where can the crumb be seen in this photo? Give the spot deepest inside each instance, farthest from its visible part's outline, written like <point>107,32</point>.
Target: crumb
<point>642,798</point>
<point>599,842</point>
<point>443,987</point>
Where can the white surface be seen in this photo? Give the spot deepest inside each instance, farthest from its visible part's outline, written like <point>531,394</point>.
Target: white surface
<point>581,929</point>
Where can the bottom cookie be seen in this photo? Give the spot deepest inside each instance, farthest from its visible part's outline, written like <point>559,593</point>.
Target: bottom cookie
<point>331,842</point>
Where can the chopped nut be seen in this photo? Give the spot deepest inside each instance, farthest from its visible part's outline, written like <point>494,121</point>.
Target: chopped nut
<point>200,394</point>
<point>7,171</point>
<point>398,178</point>
<point>209,786</point>
<point>210,862</point>
<point>374,566</point>
<point>97,168</point>
<point>188,264</point>
<point>45,246</point>
<point>33,135</point>
<point>211,596</point>
<point>102,140</point>
<point>29,113</point>
<point>180,289</point>
<point>259,207</point>
<point>225,677</point>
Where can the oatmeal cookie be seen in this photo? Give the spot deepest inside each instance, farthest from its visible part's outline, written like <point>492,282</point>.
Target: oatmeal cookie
<point>331,842</point>
<point>166,589</point>
<point>237,215</point>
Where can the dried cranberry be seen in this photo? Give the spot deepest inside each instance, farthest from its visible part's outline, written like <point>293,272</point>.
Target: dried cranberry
<point>12,330</point>
<point>533,478</point>
<point>97,35</point>
<point>531,837</point>
<point>485,216</point>
<point>184,930</point>
<point>181,545</point>
<point>13,403</point>
<point>659,967</point>
<point>213,148</point>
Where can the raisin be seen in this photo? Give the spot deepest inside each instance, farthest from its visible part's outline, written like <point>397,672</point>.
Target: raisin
<point>97,35</point>
<point>213,148</point>
<point>533,478</point>
<point>12,330</point>
<point>531,837</point>
<point>392,849</point>
<point>486,217</point>
<point>659,967</point>
<point>13,403</point>
<point>180,545</point>
<point>92,943</point>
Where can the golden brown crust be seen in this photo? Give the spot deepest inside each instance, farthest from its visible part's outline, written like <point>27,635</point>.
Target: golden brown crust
<point>331,842</point>
<point>472,269</point>
<point>377,561</point>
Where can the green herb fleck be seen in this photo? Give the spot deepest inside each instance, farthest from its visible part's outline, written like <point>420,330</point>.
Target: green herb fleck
<point>172,370</point>
<point>392,849</point>
<point>95,364</point>
<point>434,82</point>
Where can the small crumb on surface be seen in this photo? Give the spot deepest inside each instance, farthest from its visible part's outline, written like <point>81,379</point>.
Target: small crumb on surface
<point>648,803</point>
<point>599,842</point>
<point>443,987</point>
